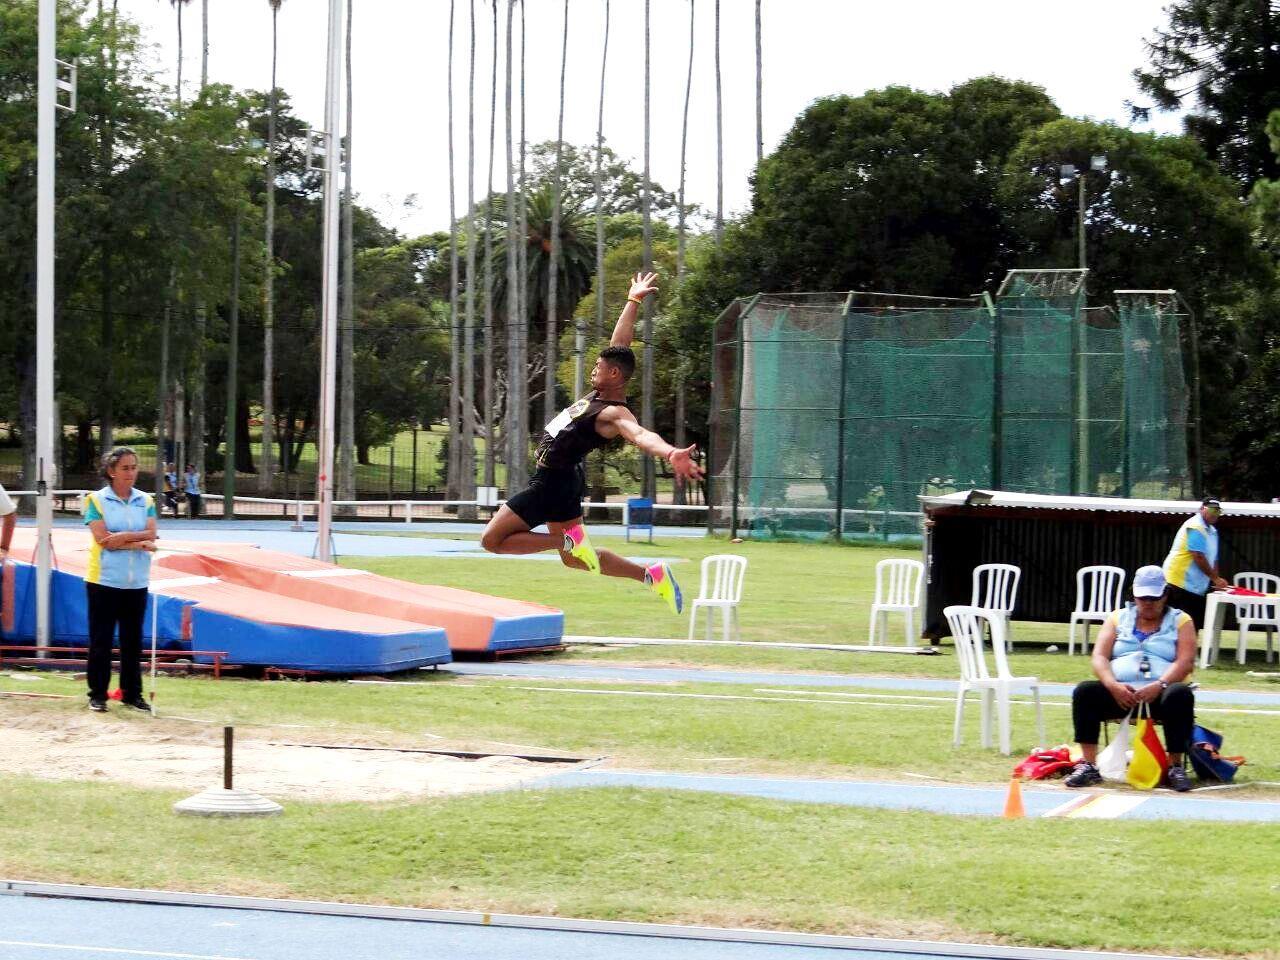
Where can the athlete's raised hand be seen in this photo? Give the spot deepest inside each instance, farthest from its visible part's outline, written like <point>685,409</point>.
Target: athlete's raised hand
<point>683,464</point>
<point>642,284</point>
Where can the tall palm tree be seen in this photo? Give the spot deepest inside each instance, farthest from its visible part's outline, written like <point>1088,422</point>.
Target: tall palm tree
<point>178,5</point>
<point>453,484</point>
<point>517,447</point>
<point>759,91</point>
<point>684,150</point>
<point>490,414</point>
<point>467,453</point>
<point>604,62</point>
<point>204,44</point>
<point>719,229</point>
<point>549,381</point>
<point>522,230</point>
<point>346,472</point>
<point>649,482</point>
<point>266,469</point>
<point>576,254</point>
<point>197,376</point>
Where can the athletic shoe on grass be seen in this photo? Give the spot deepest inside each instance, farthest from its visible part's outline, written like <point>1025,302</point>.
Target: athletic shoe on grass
<point>658,577</point>
<point>577,544</point>
<point>1177,779</point>
<point>138,703</point>
<point>97,706</point>
<point>1084,774</point>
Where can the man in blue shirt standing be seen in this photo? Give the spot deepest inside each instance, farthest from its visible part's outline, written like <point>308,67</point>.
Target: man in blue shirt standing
<point>1192,564</point>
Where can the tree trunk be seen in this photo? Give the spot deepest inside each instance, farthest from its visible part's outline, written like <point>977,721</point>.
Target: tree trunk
<point>523,234</point>
<point>517,414</point>
<point>266,478</point>
<point>684,150</point>
<point>553,275</point>
<point>649,478</point>
<point>162,386</point>
<point>204,46</point>
<point>604,62</point>
<point>490,414</point>
<point>347,424</point>
<point>467,453</point>
<point>759,91</point>
<point>719,227</point>
<point>453,468</point>
<point>679,489</point>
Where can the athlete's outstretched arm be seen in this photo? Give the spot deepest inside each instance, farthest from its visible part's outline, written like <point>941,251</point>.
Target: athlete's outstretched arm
<point>624,331</point>
<point>680,458</point>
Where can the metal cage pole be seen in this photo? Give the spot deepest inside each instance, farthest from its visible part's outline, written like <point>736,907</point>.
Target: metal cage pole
<point>844,367</point>
<point>737,412</point>
<point>997,390</point>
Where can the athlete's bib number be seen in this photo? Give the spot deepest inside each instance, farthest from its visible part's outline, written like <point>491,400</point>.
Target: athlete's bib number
<point>565,417</point>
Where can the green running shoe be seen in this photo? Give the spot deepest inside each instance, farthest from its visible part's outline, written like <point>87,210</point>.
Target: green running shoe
<point>658,577</point>
<point>577,544</point>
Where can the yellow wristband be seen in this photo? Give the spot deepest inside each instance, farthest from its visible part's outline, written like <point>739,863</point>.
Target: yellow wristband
<point>636,301</point>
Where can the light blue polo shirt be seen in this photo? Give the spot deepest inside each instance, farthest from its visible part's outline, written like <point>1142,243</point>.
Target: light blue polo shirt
<point>123,569</point>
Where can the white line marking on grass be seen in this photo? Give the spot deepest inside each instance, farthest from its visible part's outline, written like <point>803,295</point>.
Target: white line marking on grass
<point>115,950</point>
<point>898,696</point>
<point>1105,806</point>
<point>725,696</point>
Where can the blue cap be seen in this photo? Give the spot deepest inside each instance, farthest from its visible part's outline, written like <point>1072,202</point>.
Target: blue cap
<point>1149,582</point>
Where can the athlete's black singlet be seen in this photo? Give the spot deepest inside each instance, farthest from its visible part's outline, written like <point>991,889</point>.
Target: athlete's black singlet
<point>572,435</point>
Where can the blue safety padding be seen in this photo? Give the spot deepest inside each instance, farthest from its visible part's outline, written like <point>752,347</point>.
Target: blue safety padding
<point>534,630</point>
<point>316,648</point>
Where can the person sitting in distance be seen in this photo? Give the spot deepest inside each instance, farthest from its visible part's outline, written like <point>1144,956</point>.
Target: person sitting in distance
<point>1143,654</point>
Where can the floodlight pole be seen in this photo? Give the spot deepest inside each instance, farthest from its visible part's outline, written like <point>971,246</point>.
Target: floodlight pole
<point>45,184</point>
<point>329,288</point>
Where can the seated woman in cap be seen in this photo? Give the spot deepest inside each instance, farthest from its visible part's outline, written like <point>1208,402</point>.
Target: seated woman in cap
<point>1143,654</point>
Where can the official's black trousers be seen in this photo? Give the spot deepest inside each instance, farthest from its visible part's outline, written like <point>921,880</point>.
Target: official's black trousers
<point>1175,708</point>
<point>109,608</point>
<point>1189,603</point>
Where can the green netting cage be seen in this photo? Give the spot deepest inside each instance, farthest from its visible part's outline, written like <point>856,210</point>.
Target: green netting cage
<point>832,413</point>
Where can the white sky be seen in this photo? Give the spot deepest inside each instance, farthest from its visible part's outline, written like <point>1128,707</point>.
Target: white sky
<point>1082,53</point>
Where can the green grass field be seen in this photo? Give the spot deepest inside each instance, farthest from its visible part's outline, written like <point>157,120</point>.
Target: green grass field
<point>1169,887</point>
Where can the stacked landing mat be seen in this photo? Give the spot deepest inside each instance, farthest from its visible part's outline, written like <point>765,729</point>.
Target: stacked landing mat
<point>275,610</point>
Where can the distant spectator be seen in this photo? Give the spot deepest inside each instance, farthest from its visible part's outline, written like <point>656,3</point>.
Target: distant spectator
<point>10,514</point>
<point>191,485</point>
<point>1143,654</point>
<point>1192,564</point>
<point>122,520</point>
<point>171,488</point>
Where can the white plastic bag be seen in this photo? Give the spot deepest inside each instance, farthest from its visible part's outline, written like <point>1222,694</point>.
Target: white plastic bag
<point>1113,761</point>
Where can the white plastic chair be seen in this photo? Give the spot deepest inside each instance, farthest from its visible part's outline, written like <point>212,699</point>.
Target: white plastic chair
<point>898,584</point>
<point>995,587</point>
<point>968,625</point>
<point>1264,615</point>
<point>1098,594</point>
<point>720,588</point>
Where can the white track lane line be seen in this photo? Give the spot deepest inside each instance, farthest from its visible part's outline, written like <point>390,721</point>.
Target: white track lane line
<point>115,951</point>
<point>722,696</point>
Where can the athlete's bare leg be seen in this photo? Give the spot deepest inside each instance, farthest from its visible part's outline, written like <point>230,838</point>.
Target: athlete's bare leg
<point>507,533</point>
<point>611,565</point>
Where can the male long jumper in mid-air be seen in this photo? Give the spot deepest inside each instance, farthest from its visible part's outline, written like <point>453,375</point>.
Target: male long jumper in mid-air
<point>554,495</point>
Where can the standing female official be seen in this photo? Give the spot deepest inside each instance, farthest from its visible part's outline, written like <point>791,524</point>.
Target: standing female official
<point>122,520</point>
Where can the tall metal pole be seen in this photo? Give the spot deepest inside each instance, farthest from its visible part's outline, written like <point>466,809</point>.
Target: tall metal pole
<point>329,290</point>
<point>1080,217</point>
<point>233,354</point>
<point>45,470</point>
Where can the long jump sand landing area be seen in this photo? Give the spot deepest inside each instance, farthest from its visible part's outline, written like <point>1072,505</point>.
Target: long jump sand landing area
<point>170,753</point>
<point>273,609</point>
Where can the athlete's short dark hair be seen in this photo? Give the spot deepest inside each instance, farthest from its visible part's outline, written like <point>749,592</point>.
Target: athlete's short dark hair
<point>621,357</point>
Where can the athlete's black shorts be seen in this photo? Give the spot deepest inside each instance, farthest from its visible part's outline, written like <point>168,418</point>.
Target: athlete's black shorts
<point>553,495</point>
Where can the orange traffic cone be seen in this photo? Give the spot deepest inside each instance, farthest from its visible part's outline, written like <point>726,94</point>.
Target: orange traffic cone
<point>1013,809</point>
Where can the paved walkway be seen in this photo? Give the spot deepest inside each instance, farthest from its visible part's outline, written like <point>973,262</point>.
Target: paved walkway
<point>584,671</point>
<point>942,798</point>
<point>46,921</point>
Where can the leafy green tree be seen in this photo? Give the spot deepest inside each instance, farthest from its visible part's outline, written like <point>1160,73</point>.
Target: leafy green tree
<point>1221,60</point>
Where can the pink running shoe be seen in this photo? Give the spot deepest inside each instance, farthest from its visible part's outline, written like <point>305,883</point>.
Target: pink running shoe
<point>658,577</point>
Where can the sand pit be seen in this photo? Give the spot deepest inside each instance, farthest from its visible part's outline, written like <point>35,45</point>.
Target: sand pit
<point>54,742</point>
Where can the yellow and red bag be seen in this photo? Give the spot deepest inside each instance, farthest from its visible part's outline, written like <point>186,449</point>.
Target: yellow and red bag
<point>1150,762</point>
